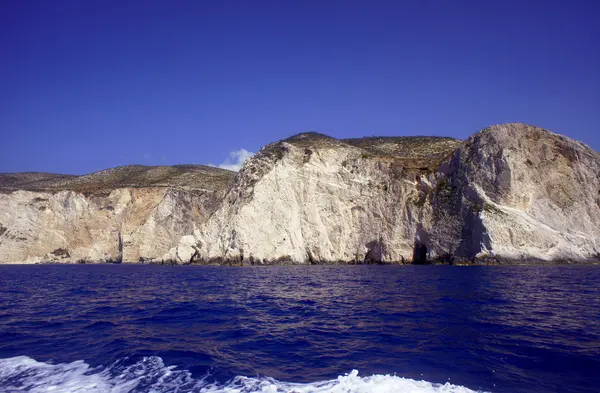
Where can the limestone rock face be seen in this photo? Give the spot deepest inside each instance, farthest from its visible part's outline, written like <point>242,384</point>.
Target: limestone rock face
<point>517,192</point>
<point>119,215</point>
<point>509,193</point>
<point>314,199</point>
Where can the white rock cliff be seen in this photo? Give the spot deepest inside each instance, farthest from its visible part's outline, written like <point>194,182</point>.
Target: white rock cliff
<point>509,194</point>
<point>520,193</point>
<point>126,214</point>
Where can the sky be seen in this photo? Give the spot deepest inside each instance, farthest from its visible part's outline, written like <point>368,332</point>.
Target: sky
<point>88,85</point>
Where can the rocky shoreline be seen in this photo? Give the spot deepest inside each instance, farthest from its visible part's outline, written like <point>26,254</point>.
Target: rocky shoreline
<point>510,194</point>
<point>237,263</point>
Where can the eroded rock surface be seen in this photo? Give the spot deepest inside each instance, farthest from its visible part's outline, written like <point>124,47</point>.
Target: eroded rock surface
<point>510,193</point>
<point>314,199</point>
<point>518,193</point>
<point>125,214</point>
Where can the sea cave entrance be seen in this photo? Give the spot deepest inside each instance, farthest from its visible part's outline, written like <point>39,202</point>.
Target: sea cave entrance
<point>420,254</point>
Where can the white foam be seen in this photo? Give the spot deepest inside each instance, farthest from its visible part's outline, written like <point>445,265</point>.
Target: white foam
<point>24,374</point>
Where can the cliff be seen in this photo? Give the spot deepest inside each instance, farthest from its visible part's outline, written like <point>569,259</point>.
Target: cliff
<point>124,214</point>
<point>516,193</point>
<point>510,193</point>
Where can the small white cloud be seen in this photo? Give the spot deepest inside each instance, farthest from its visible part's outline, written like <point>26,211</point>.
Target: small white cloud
<point>147,156</point>
<point>235,160</point>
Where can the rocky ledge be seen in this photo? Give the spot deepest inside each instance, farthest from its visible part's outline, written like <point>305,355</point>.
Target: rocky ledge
<point>511,193</point>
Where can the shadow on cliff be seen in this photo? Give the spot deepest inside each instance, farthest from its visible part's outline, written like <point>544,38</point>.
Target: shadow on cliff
<point>376,252</point>
<point>420,251</point>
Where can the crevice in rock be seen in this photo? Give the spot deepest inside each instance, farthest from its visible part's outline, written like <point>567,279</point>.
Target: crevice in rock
<point>119,257</point>
<point>419,253</point>
<point>311,259</point>
<point>475,237</point>
<point>375,252</point>
<point>420,249</point>
<point>194,257</point>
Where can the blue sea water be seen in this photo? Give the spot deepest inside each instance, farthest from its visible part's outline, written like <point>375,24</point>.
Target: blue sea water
<point>122,328</point>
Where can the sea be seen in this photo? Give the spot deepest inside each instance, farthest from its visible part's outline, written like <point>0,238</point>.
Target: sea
<point>300,329</point>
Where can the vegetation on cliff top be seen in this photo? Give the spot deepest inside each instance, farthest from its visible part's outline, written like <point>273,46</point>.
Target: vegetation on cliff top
<point>414,152</point>
<point>194,177</point>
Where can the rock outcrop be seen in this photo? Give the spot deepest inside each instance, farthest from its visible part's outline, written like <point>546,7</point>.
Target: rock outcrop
<point>517,193</point>
<point>312,198</point>
<point>125,214</point>
<point>509,193</point>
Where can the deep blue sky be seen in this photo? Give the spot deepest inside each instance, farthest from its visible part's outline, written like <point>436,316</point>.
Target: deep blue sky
<point>86,85</point>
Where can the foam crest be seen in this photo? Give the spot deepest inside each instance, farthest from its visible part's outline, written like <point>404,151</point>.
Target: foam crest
<point>24,374</point>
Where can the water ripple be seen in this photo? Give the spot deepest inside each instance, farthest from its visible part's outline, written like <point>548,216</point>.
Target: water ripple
<point>495,329</point>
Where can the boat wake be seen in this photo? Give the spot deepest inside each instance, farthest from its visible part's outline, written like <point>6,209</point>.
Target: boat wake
<point>24,374</point>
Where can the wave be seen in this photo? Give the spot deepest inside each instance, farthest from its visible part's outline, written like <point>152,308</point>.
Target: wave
<point>24,374</point>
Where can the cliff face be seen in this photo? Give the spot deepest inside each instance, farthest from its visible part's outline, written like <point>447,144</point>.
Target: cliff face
<point>315,199</point>
<point>516,192</point>
<point>123,214</point>
<point>509,193</point>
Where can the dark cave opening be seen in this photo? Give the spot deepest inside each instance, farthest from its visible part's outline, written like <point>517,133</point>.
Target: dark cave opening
<point>420,254</point>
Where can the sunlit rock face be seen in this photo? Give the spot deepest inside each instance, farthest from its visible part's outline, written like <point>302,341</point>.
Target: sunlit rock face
<point>314,199</point>
<point>510,193</point>
<point>126,214</point>
<point>517,193</point>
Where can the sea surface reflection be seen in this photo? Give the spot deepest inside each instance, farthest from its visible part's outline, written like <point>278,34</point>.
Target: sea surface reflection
<point>492,328</point>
